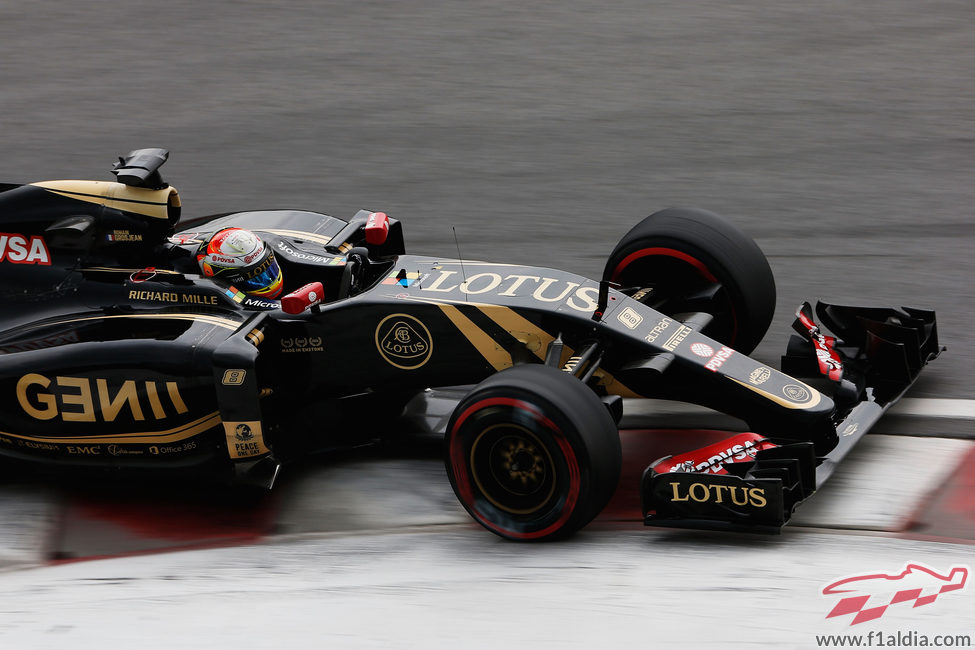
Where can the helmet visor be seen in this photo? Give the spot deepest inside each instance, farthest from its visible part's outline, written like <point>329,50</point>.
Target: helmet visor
<point>267,284</point>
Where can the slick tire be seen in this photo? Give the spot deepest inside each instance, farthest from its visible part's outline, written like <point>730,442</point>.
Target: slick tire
<point>532,454</point>
<point>682,250</point>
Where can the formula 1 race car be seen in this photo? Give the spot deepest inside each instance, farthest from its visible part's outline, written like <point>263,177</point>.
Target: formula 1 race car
<point>117,351</point>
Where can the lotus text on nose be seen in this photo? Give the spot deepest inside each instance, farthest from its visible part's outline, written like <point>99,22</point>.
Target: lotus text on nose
<point>515,285</point>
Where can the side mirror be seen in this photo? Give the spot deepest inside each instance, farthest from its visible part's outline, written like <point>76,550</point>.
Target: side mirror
<point>377,228</point>
<point>72,233</point>
<point>300,300</point>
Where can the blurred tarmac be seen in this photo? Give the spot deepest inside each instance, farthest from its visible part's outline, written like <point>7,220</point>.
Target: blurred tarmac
<point>839,134</point>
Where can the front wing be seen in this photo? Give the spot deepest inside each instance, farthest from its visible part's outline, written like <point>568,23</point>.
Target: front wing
<point>754,483</point>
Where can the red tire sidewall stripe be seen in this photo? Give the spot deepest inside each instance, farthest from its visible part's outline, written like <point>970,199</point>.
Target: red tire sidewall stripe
<point>684,257</point>
<point>463,483</point>
<point>667,252</point>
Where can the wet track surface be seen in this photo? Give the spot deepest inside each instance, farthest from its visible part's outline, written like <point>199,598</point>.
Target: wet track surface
<point>840,135</point>
<point>449,587</point>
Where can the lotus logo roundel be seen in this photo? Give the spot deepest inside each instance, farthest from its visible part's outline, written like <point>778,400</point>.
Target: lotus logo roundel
<point>403,341</point>
<point>796,393</point>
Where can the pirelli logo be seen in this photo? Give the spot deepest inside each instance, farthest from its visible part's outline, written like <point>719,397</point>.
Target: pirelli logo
<point>677,338</point>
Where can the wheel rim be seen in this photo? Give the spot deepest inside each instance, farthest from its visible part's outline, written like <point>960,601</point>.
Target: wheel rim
<point>512,469</point>
<point>480,442</point>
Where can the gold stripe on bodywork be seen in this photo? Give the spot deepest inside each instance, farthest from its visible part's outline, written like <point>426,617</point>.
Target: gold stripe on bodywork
<point>517,325</point>
<point>537,341</point>
<point>173,388</point>
<point>256,337</point>
<point>535,338</point>
<point>493,353</point>
<point>212,320</point>
<point>105,269</point>
<point>175,434</point>
<point>151,203</point>
<point>297,234</point>
<point>814,395</point>
<point>476,263</point>
<point>154,402</point>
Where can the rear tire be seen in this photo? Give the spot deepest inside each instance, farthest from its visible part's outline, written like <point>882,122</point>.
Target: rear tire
<point>532,454</point>
<point>684,250</point>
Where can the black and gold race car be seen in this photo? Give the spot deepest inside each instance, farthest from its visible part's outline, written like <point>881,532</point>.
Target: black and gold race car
<point>116,351</point>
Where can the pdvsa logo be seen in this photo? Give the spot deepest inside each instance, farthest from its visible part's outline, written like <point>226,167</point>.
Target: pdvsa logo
<point>19,249</point>
<point>403,341</point>
<point>867,597</point>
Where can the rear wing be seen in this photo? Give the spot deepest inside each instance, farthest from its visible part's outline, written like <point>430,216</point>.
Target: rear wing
<point>867,362</point>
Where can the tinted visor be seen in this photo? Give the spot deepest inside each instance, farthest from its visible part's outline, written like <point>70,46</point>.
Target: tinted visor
<point>264,278</point>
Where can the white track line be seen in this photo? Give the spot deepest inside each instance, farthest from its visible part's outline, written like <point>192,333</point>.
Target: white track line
<point>957,409</point>
<point>868,490</point>
<point>949,409</point>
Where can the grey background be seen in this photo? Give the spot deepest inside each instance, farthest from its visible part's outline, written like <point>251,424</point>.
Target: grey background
<point>839,134</point>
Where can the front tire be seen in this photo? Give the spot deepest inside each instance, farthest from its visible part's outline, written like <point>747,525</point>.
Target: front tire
<point>532,454</point>
<point>687,252</point>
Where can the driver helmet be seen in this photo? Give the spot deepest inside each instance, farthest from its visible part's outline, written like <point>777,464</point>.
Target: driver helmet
<point>241,258</point>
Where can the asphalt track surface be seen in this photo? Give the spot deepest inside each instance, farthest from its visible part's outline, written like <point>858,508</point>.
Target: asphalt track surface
<point>838,134</point>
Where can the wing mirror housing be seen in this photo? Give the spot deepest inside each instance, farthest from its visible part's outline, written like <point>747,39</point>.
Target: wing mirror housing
<point>377,228</point>
<point>298,301</point>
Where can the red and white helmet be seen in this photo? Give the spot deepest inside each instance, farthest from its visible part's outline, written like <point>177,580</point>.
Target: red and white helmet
<point>243,259</point>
